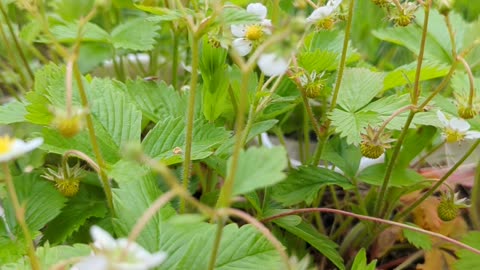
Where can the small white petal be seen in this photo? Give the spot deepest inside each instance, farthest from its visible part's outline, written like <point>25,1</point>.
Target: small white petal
<point>238,30</point>
<point>257,9</point>
<point>459,124</point>
<point>320,14</point>
<point>19,148</point>
<point>334,3</point>
<point>155,259</point>
<point>272,64</point>
<point>472,135</point>
<point>266,26</point>
<point>102,239</point>
<point>442,118</point>
<point>92,263</point>
<point>242,46</point>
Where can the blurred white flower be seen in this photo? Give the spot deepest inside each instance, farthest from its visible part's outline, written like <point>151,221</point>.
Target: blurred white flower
<point>323,12</point>
<point>456,129</point>
<point>272,64</point>
<point>249,34</point>
<point>117,254</point>
<point>11,148</point>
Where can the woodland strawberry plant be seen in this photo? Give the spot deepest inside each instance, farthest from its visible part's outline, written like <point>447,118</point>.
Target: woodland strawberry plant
<point>212,134</point>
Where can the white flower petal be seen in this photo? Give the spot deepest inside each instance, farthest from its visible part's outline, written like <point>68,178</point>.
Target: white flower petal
<point>155,259</point>
<point>267,26</point>
<point>334,3</point>
<point>459,124</point>
<point>92,263</point>
<point>320,14</point>
<point>242,46</point>
<point>442,118</point>
<point>238,30</point>
<point>102,239</point>
<point>19,148</point>
<point>272,64</point>
<point>257,9</point>
<point>472,135</point>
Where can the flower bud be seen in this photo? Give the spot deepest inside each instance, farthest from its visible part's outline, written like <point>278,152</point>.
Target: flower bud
<point>444,6</point>
<point>68,124</point>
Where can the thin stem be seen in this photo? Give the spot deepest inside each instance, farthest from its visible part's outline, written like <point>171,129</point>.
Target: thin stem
<point>377,220</point>
<point>382,200</point>
<point>216,243</point>
<point>12,57</point>
<point>470,80</point>
<point>149,214</point>
<point>227,189</point>
<point>69,86</point>
<point>15,40</point>
<point>411,259</point>
<point>175,51</point>
<point>261,228</point>
<point>20,215</point>
<point>451,34</point>
<point>93,140</point>
<point>190,117</point>
<point>475,207</point>
<point>82,156</point>
<point>440,87</point>
<point>424,157</point>
<point>439,183</point>
<point>398,5</point>
<point>390,118</point>
<point>416,87</point>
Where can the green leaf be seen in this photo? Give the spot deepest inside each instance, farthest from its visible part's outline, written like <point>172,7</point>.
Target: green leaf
<point>401,177</point>
<point>351,124</point>
<point>303,185</point>
<point>360,262</point>
<point>93,54</point>
<point>359,87</point>
<point>164,14</point>
<point>233,15</point>
<point>417,239</point>
<point>331,41</point>
<point>69,33</point>
<point>430,70</point>
<point>71,10</point>
<point>318,60</point>
<point>190,246</point>
<point>41,200</point>
<point>157,101</point>
<point>50,256</point>
<point>84,205</point>
<point>414,143</point>
<point>130,200</point>
<point>12,112</point>
<point>343,155</point>
<point>112,109</point>
<point>307,232</point>
<point>137,34</point>
<point>170,133</point>
<point>467,259</point>
<point>258,168</point>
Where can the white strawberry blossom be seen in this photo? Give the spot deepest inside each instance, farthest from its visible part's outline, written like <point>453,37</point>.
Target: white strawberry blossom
<point>11,148</point>
<point>323,12</point>
<point>249,34</point>
<point>272,64</point>
<point>117,254</point>
<point>456,129</point>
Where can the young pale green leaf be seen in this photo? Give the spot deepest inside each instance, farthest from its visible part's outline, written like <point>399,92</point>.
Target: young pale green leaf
<point>130,200</point>
<point>398,77</point>
<point>71,10</point>
<point>303,185</point>
<point>360,262</point>
<point>467,259</point>
<point>417,239</point>
<point>351,124</point>
<point>307,232</point>
<point>164,14</point>
<point>12,112</point>
<point>258,168</point>
<point>359,87</point>
<point>157,101</point>
<point>331,41</point>
<point>137,34</point>
<point>84,205</point>
<point>233,15</point>
<point>401,177</point>
<point>69,33</point>
<point>50,256</point>
<point>41,200</point>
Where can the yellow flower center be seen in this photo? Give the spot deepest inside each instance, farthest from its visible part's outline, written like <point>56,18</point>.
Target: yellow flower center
<point>452,135</point>
<point>5,144</point>
<point>254,32</point>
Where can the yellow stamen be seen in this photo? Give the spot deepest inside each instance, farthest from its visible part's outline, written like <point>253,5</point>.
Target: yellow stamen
<point>452,135</point>
<point>254,32</point>
<point>5,144</point>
